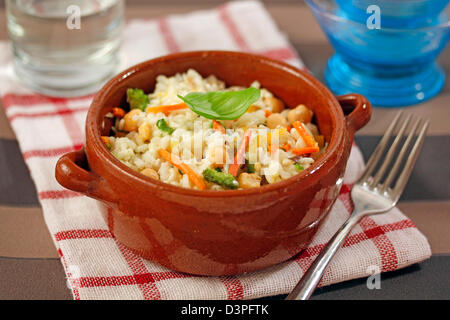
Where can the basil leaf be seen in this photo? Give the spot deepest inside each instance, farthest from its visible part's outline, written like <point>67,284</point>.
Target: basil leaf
<point>221,105</point>
<point>163,126</point>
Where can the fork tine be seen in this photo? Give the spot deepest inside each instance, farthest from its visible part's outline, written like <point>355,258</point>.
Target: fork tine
<point>390,154</point>
<point>373,160</point>
<point>407,170</point>
<point>400,157</point>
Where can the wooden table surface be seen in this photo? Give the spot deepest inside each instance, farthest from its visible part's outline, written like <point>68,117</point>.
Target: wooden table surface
<point>29,265</point>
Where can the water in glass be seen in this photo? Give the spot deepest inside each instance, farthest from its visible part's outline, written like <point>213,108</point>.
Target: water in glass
<point>65,47</point>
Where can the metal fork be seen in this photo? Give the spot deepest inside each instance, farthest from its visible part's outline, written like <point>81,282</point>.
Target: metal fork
<point>370,194</point>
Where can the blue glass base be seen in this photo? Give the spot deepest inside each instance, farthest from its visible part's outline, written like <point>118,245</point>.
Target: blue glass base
<point>384,90</point>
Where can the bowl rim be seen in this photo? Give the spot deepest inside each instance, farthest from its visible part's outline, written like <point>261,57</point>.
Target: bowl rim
<point>339,127</point>
<point>316,8</point>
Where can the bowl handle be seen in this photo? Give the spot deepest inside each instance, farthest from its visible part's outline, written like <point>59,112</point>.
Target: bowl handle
<point>357,110</point>
<point>70,172</point>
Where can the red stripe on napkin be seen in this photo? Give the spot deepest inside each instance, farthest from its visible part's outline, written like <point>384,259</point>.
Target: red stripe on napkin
<point>55,113</point>
<point>164,28</point>
<point>232,28</point>
<point>82,234</point>
<point>54,152</point>
<point>382,242</point>
<point>58,194</point>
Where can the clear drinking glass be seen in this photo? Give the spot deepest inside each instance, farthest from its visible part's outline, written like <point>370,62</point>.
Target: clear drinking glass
<point>65,47</point>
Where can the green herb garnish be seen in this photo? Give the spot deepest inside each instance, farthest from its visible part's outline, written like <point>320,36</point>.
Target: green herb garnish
<point>137,99</point>
<point>163,126</point>
<point>221,105</point>
<point>299,167</point>
<point>224,179</point>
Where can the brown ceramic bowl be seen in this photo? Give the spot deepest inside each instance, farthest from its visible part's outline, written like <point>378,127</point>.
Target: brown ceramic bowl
<point>217,232</point>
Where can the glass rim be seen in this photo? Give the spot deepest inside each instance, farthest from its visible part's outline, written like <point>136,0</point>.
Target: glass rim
<point>323,12</point>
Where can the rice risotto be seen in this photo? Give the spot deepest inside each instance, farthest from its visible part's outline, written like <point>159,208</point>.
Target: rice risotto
<point>165,139</point>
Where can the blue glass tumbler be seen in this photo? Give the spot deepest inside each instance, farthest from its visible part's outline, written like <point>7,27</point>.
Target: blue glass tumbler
<point>392,64</point>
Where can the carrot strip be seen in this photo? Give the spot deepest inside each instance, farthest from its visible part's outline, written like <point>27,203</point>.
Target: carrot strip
<point>168,108</point>
<point>306,150</point>
<point>118,112</point>
<point>267,112</point>
<point>286,147</point>
<point>239,158</point>
<point>217,126</point>
<point>175,161</point>
<point>309,140</point>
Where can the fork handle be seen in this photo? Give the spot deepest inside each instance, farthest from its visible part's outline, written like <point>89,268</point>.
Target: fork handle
<point>305,287</point>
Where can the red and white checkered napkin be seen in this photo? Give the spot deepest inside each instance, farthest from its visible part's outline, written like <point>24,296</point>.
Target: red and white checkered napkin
<point>97,266</point>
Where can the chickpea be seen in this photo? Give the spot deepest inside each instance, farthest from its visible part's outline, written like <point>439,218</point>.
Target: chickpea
<point>145,131</point>
<point>300,113</point>
<point>129,123</point>
<point>249,180</point>
<point>275,104</point>
<point>150,173</point>
<point>275,120</point>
